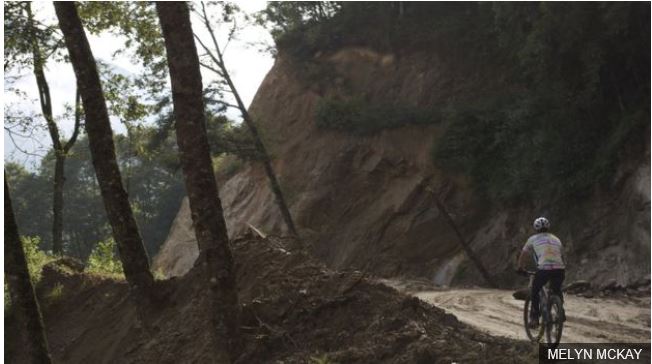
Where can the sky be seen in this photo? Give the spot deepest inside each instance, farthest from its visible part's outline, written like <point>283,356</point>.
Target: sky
<point>247,63</point>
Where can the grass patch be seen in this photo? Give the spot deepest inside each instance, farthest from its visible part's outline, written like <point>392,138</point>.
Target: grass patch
<point>359,117</point>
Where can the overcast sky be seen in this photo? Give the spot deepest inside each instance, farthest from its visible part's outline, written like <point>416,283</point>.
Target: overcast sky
<point>246,61</point>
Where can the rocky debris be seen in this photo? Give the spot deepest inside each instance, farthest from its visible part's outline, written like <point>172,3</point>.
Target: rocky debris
<point>294,310</point>
<point>409,285</point>
<point>522,294</point>
<point>577,287</point>
<point>611,288</point>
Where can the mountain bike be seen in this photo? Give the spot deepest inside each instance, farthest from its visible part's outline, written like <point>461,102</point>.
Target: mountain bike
<point>552,315</point>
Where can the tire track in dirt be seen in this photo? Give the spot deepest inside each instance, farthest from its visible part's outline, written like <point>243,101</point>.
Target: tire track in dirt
<point>589,320</point>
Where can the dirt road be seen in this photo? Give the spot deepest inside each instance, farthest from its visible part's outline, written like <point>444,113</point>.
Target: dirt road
<point>588,319</point>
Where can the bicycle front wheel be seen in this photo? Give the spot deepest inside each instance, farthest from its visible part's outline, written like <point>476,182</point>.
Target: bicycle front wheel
<point>555,324</point>
<point>534,335</point>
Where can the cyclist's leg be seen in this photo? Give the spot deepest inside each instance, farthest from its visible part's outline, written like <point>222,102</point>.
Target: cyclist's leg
<point>556,281</point>
<point>539,281</point>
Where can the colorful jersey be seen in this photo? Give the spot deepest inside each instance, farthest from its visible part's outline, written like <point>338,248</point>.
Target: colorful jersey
<point>547,250</point>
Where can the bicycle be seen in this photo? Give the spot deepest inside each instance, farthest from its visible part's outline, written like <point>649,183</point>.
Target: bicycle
<point>551,309</point>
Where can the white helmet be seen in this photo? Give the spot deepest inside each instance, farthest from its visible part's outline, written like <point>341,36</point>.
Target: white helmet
<point>541,223</point>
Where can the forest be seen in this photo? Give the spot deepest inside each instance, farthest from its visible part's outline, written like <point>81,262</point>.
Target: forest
<point>478,111</point>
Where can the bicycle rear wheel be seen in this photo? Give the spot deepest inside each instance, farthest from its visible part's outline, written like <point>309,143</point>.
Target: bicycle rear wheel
<point>534,335</point>
<point>555,324</point>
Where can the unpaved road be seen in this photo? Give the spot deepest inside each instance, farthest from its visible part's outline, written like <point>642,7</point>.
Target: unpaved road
<point>589,320</point>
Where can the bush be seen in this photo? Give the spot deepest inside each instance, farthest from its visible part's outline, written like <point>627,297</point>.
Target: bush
<point>103,259</point>
<point>36,258</point>
<point>361,118</point>
<point>534,150</point>
<point>227,165</point>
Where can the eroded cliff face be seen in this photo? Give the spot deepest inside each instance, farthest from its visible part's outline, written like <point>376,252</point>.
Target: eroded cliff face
<point>365,202</point>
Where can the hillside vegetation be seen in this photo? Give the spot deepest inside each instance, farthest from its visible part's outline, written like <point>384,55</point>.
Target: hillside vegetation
<point>577,86</point>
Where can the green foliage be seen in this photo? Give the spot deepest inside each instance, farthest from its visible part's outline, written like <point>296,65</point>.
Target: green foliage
<point>362,118</point>
<point>7,299</point>
<point>578,74</point>
<point>159,275</point>
<point>585,102</point>
<point>227,166</point>
<point>284,18</point>
<point>137,24</point>
<point>103,259</point>
<point>18,46</point>
<point>300,29</point>
<point>55,294</point>
<point>151,177</point>
<point>36,258</point>
<point>227,137</point>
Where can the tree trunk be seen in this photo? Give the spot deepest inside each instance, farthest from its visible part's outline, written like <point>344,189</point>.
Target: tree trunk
<point>57,205</point>
<point>46,109</point>
<point>201,186</point>
<point>258,143</point>
<point>23,299</point>
<point>100,137</point>
<point>465,245</point>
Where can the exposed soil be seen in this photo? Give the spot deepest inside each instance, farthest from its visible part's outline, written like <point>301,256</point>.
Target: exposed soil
<point>362,200</point>
<point>589,320</point>
<point>294,311</point>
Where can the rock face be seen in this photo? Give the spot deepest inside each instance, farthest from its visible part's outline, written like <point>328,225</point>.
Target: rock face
<point>364,202</point>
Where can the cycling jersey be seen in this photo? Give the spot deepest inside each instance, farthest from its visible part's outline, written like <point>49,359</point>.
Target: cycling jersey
<point>547,250</point>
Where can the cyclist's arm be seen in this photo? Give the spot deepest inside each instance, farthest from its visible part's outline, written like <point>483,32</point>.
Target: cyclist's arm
<point>525,256</point>
<point>523,259</point>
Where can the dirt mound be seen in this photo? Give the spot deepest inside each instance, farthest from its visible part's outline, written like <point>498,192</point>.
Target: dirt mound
<point>294,311</point>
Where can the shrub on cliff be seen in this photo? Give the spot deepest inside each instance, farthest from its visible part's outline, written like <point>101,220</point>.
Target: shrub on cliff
<point>363,118</point>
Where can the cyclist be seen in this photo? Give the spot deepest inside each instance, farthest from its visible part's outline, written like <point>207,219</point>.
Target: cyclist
<point>546,250</point>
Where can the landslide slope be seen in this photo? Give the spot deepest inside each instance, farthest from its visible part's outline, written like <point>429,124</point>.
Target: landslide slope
<point>363,201</point>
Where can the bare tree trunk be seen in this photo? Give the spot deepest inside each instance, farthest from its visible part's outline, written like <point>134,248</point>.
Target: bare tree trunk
<point>60,150</point>
<point>464,244</point>
<point>23,299</point>
<point>57,205</point>
<point>258,143</point>
<point>201,186</point>
<point>100,137</point>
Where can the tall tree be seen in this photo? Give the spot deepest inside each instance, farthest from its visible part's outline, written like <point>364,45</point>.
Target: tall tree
<point>203,194</point>
<point>31,43</point>
<point>98,127</point>
<point>21,290</point>
<point>217,57</point>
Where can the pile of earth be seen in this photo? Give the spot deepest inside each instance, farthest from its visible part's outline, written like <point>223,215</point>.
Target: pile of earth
<point>295,310</point>
<point>611,288</point>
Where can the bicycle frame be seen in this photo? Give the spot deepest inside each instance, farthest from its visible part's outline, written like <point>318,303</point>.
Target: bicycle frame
<point>546,299</point>
<point>544,293</point>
